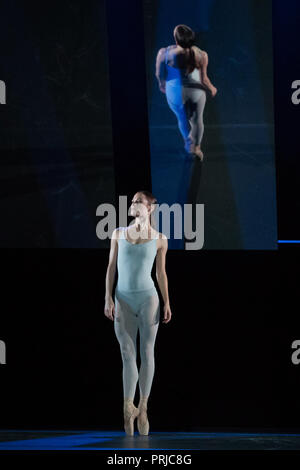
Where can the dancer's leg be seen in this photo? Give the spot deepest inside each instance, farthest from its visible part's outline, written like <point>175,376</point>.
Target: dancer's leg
<point>149,315</point>
<point>126,326</point>
<point>195,100</point>
<point>176,104</point>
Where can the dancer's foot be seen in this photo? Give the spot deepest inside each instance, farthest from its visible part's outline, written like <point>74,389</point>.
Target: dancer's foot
<point>199,152</point>
<point>130,413</point>
<point>189,146</point>
<point>142,420</point>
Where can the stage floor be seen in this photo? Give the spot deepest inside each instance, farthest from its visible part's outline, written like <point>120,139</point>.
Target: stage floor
<point>117,440</point>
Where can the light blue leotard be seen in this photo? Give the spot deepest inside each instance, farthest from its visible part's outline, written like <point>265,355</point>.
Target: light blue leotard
<point>135,262</point>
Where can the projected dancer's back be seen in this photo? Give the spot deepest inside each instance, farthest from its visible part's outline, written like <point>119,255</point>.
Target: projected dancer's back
<point>181,71</point>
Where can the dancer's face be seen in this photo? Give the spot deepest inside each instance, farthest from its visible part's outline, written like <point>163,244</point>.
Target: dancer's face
<point>139,206</point>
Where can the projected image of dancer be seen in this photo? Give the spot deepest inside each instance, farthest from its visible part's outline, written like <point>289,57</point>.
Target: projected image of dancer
<point>136,303</point>
<point>181,71</point>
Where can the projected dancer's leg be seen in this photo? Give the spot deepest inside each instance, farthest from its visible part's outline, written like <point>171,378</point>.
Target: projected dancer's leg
<point>194,102</point>
<point>175,101</point>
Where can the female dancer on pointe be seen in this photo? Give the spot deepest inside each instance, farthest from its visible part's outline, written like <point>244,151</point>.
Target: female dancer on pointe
<point>181,71</point>
<point>136,305</point>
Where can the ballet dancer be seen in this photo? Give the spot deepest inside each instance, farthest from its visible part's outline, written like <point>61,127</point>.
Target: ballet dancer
<point>181,71</point>
<point>136,303</point>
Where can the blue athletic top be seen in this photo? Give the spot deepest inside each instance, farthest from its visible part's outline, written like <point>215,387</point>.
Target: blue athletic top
<point>176,76</point>
<point>135,262</point>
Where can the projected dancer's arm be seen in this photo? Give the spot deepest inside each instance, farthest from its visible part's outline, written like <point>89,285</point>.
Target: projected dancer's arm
<point>203,74</point>
<point>160,69</point>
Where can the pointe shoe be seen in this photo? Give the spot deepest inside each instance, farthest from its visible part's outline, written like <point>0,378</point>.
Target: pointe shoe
<point>142,420</point>
<point>130,413</point>
<point>199,152</point>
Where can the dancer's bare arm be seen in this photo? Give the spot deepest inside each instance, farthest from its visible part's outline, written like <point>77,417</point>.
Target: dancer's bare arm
<point>109,309</point>
<point>160,69</point>
<point>203,69</point>
<point>161,276</point>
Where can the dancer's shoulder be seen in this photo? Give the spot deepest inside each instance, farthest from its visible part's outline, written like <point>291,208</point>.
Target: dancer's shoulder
<point>161,54</point>
<point>198,50</point>
<point>118,233</point>
<point>163,241</point>
<point>163,50</point>
<point>203,54</point>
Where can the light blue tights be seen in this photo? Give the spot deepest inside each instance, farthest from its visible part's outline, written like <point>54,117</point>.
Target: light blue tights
<point>133,312</point>
<point>188,103</point>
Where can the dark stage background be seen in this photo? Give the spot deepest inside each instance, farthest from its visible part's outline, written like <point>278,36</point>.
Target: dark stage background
<point>224,361</point>
<point>55,135</point>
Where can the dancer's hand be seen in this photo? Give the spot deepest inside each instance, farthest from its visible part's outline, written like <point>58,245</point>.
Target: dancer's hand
<point>162,86</point>
<point>167,313</point>
<point>213,91</point>
<point>109,309</point>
